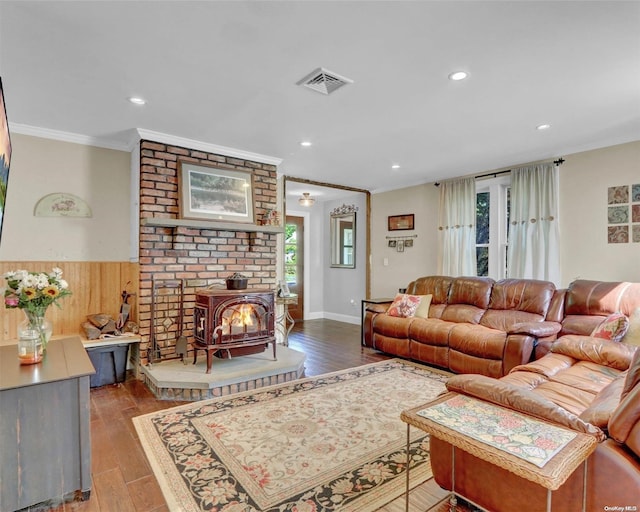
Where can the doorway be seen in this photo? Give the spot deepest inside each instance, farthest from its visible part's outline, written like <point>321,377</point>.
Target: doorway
<point>294,262</point>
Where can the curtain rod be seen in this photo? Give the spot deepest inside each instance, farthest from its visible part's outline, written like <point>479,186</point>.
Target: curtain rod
<point>559,161</point>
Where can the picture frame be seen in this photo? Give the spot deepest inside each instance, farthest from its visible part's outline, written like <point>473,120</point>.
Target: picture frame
<point>283,289</point>
<point>212,193</point>
<point>408,242</point>
<point>5,156</point>
<point>401,222</point>
<point>400,246</point>
<point>391,243</point>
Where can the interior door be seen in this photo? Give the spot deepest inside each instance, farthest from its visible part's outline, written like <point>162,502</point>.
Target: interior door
<point>294,262</point>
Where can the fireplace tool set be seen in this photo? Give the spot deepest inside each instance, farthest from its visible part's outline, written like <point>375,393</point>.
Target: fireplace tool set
<point>161,292</point>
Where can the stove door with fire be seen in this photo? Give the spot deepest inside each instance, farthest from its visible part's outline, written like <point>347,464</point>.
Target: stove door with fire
<point>244,319</point>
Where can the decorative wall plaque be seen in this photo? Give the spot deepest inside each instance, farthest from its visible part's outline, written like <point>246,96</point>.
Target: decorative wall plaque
<point>62,204</point>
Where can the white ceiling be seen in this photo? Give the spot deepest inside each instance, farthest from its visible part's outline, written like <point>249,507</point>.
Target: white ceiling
<point>225,73</point>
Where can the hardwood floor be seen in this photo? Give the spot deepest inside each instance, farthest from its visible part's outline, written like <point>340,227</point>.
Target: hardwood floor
<point>122,478</point>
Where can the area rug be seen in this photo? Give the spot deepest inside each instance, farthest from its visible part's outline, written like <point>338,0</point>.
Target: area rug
<point>329,443</point>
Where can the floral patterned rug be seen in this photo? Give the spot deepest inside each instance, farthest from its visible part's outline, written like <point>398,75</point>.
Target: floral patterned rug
<point>329,443</point>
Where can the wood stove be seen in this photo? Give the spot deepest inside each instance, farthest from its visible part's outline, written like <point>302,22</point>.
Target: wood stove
<point>229,323</point>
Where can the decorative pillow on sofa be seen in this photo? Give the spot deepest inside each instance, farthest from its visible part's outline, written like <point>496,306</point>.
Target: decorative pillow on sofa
<point>405,305</point>
<point>633,334</point>
<point>612,328</point>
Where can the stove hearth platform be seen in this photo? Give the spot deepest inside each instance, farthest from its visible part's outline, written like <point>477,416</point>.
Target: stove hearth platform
<point>173,380</point>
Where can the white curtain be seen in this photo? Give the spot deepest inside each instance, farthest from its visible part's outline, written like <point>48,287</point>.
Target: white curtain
<point>533,228</point>
<point>457,228</point>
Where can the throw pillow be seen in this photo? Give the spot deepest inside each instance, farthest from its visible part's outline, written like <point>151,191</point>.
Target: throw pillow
<point>422,311</point>
<point>612,328</point>
<point>404,305</point>
<point>633,334</point>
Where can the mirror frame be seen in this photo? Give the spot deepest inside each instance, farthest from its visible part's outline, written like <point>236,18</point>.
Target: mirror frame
<point>337,242</point>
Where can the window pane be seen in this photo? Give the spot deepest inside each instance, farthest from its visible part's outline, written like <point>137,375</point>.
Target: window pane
<point>482,257</point>
<point>482,218</point>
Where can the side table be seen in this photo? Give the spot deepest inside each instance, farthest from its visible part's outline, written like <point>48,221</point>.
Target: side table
<point>281,321</point>
<point>363,306</point>
<point>550,476</point>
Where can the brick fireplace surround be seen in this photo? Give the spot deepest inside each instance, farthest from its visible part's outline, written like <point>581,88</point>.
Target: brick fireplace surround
<point>202,257</point>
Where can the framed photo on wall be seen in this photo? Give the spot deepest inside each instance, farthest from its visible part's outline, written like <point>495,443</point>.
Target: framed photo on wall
<point>207,192</point>
<point>400,222</point>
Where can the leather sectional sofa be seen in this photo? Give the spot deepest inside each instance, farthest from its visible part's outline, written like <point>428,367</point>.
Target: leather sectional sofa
<point>585,384</point>
<point>478,325</point>
<point>564,376</point>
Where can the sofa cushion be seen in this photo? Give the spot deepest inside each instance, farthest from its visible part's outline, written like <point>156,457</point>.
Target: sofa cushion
<point>612,328</point>
<point>437,286</point>
<point>519,399</point>
<point>597,350</point>
<point>604,404</point>
<point>526,295</point>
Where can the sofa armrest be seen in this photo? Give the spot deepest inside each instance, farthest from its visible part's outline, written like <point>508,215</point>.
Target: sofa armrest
<point>380,307</point>
<point>521,400</point>
<point>536,329</point>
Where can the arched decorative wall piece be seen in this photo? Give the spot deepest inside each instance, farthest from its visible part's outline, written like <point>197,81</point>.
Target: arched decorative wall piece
<point>61,204</point>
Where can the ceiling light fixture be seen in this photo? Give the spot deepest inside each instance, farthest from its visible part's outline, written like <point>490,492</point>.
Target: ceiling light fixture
<point>543,127</point>
<point>305,143</point>
<point>458,75</point>
<point>395,166</point>
<point>306,199</point>
<point>137,101</point>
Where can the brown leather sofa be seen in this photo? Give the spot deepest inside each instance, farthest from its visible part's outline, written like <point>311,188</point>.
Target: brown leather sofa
<point>474,324</point>
<point>583,383</point>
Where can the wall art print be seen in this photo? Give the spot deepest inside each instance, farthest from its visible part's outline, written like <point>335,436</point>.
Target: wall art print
<point>623,214</point>
<point>619,194</point>
<point>618,234</point>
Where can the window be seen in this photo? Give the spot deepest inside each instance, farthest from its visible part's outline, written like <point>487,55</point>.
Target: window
<point>492,221</point>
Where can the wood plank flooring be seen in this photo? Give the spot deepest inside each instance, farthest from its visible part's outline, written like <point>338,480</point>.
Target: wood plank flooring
<point>122,478</point>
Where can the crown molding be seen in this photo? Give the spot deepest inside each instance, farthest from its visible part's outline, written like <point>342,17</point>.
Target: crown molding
<point>76,138</point>
<point>204,146</point>
<point>137,135</point>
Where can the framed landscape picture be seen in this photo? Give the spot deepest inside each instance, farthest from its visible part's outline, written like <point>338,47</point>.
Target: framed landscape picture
<point>207,192</point>
<point>400,222</point>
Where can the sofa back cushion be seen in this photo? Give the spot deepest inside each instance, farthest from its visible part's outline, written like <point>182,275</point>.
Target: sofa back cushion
<point>517,300</point>
<point>436,286</point>
<point>587,303</point>
<point>468,299</point>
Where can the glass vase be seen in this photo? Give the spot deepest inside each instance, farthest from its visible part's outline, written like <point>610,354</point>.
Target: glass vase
<point>30,349</point>
<point>34,327</point>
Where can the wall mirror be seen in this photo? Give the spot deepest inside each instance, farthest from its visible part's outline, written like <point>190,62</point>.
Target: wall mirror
<point>343,240</point>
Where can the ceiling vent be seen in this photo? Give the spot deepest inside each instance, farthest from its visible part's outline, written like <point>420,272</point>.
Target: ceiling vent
<point>324,81</point>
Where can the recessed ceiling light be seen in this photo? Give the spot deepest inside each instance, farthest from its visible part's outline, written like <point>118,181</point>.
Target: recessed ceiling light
<point>543,127</point>
<point>395,166</point>
<point>137,101</point>
<point>458,75</point>
<point>305,143</point>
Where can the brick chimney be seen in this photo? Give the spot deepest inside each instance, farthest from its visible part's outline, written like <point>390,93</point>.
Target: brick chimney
<point>202,257</point>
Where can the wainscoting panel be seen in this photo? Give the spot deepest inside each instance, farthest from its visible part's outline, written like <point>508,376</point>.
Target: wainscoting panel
<point>96,288</point>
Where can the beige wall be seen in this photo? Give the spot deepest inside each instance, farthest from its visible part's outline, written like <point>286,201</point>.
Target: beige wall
<point>584,180</point>
<point>585,253</point>
<point>99,176</point>
<point>416,261</point>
